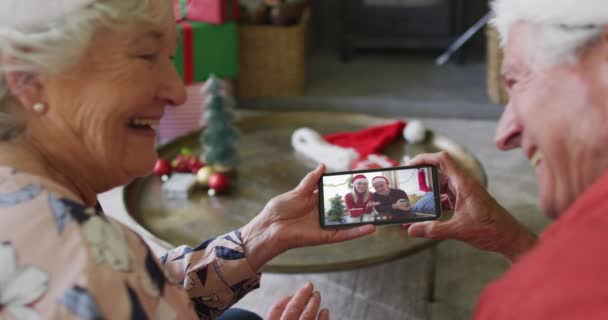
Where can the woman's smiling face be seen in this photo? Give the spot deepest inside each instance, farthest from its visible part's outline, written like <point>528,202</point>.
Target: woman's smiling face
<point>104,110</point>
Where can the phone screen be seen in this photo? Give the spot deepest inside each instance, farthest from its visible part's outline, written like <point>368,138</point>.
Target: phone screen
<point>381,196</point>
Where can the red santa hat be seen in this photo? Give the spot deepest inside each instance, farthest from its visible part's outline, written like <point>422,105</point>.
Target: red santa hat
<point>368,141</point>
<point>380,178</point>
<point>359,177</point>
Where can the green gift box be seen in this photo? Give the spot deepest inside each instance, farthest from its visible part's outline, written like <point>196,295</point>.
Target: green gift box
<point>206,49</point>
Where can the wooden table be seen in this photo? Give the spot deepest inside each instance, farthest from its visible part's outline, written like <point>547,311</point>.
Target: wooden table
<point>271,167</point>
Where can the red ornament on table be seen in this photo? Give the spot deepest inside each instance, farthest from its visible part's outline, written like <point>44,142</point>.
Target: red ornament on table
<point>162,167</point>
<point>219,182</point>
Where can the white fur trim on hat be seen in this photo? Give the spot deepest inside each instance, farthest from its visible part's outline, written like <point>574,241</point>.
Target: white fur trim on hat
<point>359,179</point>
<point>380,177</point>
<point>312,144</point>
<point>414,131</point>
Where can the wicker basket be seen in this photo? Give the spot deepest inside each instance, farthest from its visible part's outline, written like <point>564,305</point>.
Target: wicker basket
<point>273,59</point>
<point>494,57</point>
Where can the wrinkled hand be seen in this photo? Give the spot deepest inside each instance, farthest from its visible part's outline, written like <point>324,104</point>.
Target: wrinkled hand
<point>291,220</point>
<point>304,305</point>
<point>478,219</point>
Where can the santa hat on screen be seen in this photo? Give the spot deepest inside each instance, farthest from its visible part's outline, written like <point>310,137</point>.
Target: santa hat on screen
<point>374,179</point>
<point>359,177</point>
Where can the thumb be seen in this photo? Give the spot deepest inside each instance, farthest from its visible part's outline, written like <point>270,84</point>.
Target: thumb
<point>309,183</point>
<point>429,230</point>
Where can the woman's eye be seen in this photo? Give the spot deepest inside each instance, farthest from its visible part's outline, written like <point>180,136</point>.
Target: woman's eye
<point>510,83</point>
<point>149,57</point>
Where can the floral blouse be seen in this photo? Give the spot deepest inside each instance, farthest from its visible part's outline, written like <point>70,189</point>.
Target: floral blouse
<point>62,260</point>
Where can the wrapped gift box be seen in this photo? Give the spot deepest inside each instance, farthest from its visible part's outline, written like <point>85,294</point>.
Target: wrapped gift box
<point>181,120</point>
<point>209,11</point>
<point>206,49</point>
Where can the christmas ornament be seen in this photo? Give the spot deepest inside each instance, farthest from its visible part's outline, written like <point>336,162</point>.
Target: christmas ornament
<point>203,175</point>
<point>415,132</point>
<point>162,167</point>
<point>219,182</point>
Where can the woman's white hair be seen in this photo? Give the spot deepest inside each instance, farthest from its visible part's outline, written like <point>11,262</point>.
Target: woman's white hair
<point>564,27</point>
<point>47,36</point>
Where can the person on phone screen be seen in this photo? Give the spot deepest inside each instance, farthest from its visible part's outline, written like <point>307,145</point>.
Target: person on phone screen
<point>360,200</point>
<point>390,202</point>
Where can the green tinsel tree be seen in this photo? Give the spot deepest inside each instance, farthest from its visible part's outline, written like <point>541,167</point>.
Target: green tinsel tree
<point>220,138</point>
<point>337,210</point>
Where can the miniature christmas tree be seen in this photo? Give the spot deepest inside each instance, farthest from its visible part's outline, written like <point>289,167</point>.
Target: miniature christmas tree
<point>220,138</point>
<point>336,212</point>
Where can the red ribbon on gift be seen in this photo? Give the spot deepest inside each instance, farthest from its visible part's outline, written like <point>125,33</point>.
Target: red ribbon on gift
<point>188,38</point>
<point>232,10</point>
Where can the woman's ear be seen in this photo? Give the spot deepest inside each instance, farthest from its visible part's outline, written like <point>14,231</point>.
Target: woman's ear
<point>24,86</point>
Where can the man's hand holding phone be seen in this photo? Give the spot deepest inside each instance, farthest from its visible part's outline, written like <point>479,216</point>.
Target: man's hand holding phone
<point>478,219</point>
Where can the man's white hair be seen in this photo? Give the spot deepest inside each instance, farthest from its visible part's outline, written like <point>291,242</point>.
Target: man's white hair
<point>564,27</point>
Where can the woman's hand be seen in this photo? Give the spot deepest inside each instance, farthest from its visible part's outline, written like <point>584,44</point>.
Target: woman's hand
<point>478,219</point>
<point>304,305</point>
<point>291,220</point>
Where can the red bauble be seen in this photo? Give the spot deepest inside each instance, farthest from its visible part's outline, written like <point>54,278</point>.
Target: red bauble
<point>196,167</point>
<point>219,182</point>
<point>180,164</point>
<point>162,167</point>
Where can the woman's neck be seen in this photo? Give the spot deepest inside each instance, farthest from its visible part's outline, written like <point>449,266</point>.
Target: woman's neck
<point>27,158</point>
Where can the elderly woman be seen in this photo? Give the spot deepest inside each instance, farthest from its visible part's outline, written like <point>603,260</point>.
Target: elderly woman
<point>83,84</point>
<point>556,72</point>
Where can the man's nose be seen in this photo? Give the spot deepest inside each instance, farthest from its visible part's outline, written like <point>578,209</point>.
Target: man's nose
<point>509,130</point>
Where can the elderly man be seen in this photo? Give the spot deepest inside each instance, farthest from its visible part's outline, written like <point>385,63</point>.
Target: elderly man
<point>556,72</point>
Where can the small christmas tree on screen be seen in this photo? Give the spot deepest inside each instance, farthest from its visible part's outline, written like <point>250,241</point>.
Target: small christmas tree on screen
<point>219,140</point>
<point>336,212</point>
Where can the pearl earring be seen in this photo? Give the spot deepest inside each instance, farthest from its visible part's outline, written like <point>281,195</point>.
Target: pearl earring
<point>39,107</point>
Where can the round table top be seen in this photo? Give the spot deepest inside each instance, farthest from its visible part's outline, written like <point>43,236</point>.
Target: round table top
<point>269,167</point>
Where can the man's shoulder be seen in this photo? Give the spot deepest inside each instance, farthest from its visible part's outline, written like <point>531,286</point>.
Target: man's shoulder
<point>562,277</point>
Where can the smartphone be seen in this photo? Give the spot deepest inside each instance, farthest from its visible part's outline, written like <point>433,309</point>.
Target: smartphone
<point>385,196</point>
